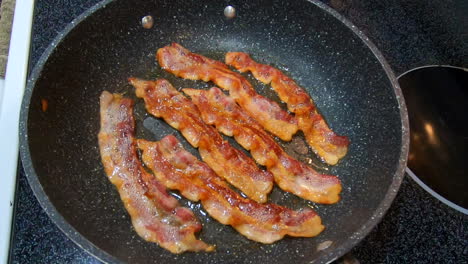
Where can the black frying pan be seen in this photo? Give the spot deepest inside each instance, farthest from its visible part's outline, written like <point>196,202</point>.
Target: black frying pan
<point>350,81</point>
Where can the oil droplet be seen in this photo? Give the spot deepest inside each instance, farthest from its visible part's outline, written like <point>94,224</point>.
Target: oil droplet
<point>44,105</point>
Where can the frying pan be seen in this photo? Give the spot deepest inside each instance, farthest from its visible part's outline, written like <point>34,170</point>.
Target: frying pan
<point>353,87</point>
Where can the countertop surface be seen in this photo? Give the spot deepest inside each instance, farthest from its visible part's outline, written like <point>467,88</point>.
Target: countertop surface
<point>416,229</point>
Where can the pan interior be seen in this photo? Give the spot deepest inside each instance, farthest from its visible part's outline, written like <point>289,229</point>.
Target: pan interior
<point>346,80</point>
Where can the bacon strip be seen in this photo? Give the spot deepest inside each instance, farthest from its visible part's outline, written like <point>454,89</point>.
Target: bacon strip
<point>290,174</point>
<point>265,223</point>
<point>163,100</point>
<point>156,215</point>
<point>183,63</point>
<point>325,143</point>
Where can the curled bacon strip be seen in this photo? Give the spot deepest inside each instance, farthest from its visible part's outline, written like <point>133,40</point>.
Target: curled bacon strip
<point>325,143</point>
<point>265,223</point>
<point>156,215</point>
<point>183,63</point>
<point>291,175</point>
<point>163,100</point>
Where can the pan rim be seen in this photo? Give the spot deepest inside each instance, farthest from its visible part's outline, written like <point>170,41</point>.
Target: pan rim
<point>102,255</point>
<point>383,207</point>
<point>25,154</point>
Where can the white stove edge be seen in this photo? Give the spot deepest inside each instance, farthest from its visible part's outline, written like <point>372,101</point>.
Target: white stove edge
<point>10,104</point>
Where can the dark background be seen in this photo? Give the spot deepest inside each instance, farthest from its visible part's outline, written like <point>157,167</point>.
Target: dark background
<point>417,228</point>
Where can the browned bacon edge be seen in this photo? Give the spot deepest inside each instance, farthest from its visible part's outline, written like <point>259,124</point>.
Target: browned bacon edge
<point>290,174</point>
<point>265,223</point>
<point>163,100</point>
<point>325,143</point>
<point>156,215</point>
<point>183,63</point>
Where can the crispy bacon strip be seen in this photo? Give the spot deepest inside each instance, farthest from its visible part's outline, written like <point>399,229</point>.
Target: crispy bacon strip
<point>156,215</point>
<point>325,143</point>
<point>163,100</point>
<point>265,223</point>
<point>183,63</point>
<point>290,174</point>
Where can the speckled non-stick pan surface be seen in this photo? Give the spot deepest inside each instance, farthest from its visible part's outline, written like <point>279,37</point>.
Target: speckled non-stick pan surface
<point>351,83</point>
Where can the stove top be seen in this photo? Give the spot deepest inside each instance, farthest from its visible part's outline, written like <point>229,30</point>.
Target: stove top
<point>417,227</point>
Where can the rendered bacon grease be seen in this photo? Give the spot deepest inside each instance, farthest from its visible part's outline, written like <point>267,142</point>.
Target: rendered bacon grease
<point>245,115</point>
<point>156,215</point>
